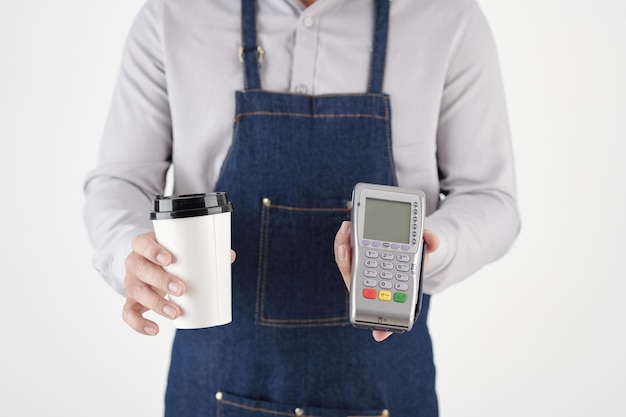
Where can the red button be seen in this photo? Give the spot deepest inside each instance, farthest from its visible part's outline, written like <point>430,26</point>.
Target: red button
<point>369,293</point>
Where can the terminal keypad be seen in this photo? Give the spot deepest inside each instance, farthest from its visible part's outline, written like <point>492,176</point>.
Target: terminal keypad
<point>386,275</point>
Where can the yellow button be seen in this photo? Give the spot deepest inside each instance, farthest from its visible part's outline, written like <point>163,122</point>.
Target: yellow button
<point>384,295</point>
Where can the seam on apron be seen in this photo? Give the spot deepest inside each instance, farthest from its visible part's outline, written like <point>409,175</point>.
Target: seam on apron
<point>313,116</point>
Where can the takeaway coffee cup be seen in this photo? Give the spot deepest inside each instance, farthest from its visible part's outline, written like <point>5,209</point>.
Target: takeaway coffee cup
<point>195,228</point>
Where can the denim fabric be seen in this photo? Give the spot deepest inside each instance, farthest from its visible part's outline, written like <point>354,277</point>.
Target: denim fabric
<point>290,171</point>
<point>380,46</point>
<point>249,52</point>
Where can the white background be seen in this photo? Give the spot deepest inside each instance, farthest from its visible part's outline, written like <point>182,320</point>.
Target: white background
<point>541,332</point>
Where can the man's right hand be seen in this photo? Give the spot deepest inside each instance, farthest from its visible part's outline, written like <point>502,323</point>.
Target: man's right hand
<point>147,283</point>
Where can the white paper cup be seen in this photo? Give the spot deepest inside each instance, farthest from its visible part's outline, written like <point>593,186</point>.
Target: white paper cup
<point>196,230</point>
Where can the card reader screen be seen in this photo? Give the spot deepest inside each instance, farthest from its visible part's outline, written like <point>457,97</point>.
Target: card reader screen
<point>387,221</point>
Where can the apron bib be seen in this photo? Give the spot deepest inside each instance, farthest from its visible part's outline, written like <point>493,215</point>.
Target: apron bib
<point>290,349</point>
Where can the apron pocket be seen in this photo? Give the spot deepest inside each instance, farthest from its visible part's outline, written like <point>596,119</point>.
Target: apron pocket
<point>299,284</point>
<point>229,405</point>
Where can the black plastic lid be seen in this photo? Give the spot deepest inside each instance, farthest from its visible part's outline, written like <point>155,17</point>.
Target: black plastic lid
<point>189,205</point>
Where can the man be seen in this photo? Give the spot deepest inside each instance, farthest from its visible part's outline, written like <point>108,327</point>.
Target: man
<point>324,94</point>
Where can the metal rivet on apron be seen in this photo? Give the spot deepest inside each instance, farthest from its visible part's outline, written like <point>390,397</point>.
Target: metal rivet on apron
<point>219,395</point>
<point>385,413</point>
<point>267,202</point>
<point>299,411</point>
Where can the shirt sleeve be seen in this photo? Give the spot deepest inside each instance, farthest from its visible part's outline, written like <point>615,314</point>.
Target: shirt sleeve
<point>477,219</point>
<point>135,150</point>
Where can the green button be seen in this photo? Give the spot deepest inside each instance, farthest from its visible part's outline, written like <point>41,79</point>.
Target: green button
<point>399,297</point>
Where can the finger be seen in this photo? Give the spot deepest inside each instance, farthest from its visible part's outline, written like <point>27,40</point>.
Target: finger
<point>147,246</point>
<point>154,275</point>
<point>132,314</point>
<point>140,292</point>
<point>431,240</point>
<point>233,256</point>
<point>343,254</point>
<point>380,335</point>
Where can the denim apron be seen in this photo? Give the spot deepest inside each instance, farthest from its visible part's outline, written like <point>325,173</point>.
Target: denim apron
<point>290,350</point>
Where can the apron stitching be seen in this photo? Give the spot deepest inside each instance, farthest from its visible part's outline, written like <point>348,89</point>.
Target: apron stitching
<point>245,407</point>
<point>278,93</point>
<point>314,116</point>
<point>338,323</point>
<point>290,208</point>
<point>304,320</point>
<point>347,302</point>
<point>260,307</point>
<point>265,410</point>
<point>392,164</point>
<point>367,416</point>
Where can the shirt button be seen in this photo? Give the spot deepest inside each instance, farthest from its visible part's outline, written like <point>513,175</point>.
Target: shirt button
<point>301,89</point>
<point>308,22</point>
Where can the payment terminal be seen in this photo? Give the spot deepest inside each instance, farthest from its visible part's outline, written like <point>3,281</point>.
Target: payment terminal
<point>387,257</point>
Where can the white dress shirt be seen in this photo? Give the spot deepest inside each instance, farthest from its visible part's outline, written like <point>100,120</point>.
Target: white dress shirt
<point>174,101</point>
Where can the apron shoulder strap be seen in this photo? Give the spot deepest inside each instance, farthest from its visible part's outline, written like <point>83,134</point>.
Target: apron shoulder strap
<point>381,28</point>
<point>250,51</point>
